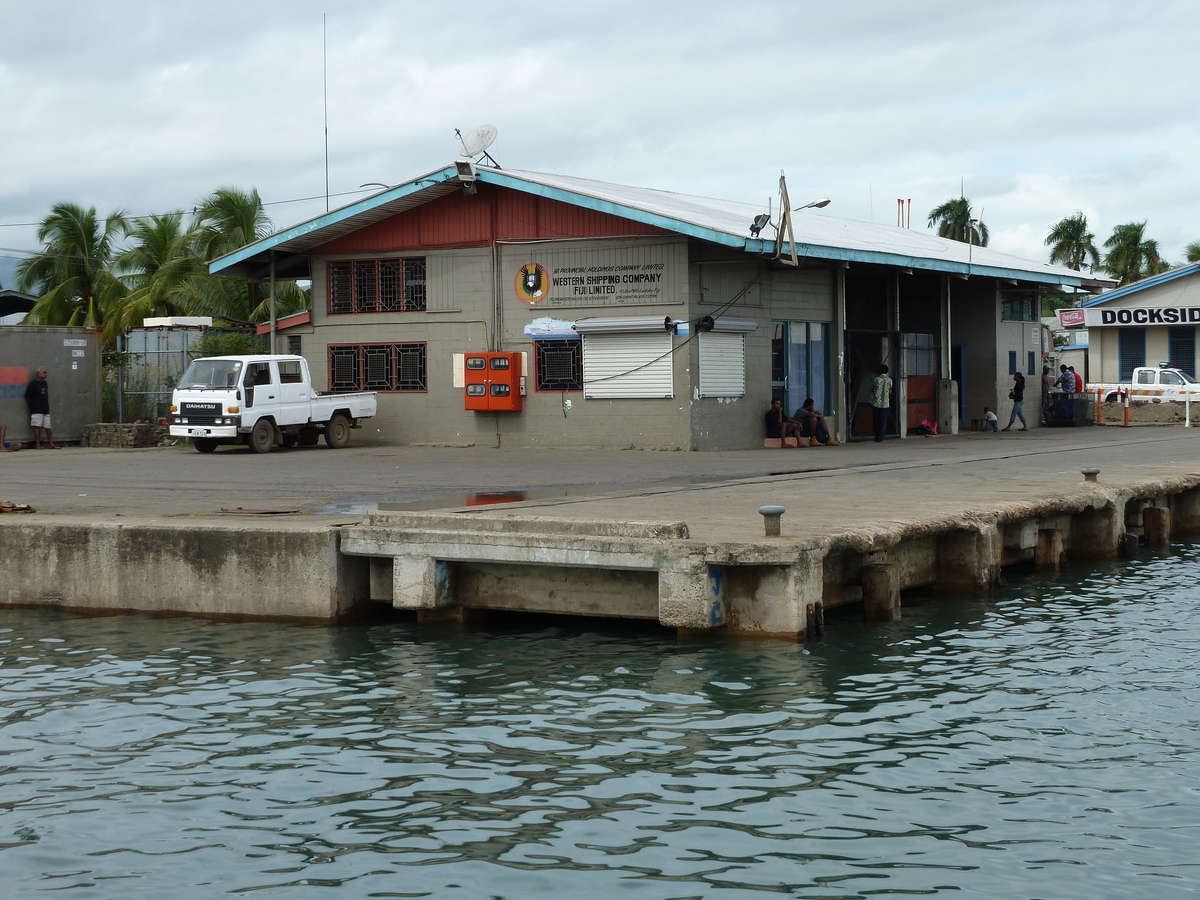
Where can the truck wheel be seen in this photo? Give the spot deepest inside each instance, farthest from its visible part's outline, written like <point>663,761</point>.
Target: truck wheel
<point>262,438</point>
<point>204,445</point>
<point>337,432</point>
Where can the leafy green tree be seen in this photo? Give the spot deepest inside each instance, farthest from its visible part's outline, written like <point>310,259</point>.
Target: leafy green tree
<point>1131,255</point>
<point>955,220</point>
<point>1072,244</point>
<point>228,220</point>
<point>162,269</point>
<point>73,273</point>
<point>1193,251</point>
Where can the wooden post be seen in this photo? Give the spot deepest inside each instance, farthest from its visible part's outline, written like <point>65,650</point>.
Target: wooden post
<point>1048,557</point>
<point>881,593</point>
<point>1156,526</point>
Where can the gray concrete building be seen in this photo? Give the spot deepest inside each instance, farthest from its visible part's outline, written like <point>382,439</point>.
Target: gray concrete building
<point>641,318</point>
<point>1147,323</point>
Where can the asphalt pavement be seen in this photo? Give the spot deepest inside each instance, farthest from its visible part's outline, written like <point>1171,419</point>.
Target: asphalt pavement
<point>716,493</point>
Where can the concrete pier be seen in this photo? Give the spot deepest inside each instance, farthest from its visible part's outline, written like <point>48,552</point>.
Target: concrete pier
<point>649,539</point>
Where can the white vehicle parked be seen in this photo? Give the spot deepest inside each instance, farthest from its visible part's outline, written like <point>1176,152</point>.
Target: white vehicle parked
<point>261,401</point>
<point>1153,383</point>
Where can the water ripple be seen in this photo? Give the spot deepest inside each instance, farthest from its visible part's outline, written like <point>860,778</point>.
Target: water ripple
<point>1040,742</point>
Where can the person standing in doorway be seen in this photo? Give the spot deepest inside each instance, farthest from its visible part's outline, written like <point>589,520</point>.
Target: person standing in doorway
<point>1017,395</point>
<point>881,402</point>
<point>37,398</point>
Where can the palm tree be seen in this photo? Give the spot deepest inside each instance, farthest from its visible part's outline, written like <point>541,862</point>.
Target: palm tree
<point>73,274</point>
<point>228,220</point>
<point>1071,243</point>
<point>1193,251</point>
<point>954,220</point>
<point>163,271</point>
<point>1131,255</point>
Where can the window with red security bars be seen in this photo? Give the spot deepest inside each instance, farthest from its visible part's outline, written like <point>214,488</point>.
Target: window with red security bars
<point>377,367</point>
<point>376,286</point>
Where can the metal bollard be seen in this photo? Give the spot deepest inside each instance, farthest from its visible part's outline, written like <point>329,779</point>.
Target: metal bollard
<point>1090,474</point>
<point>771,516</point>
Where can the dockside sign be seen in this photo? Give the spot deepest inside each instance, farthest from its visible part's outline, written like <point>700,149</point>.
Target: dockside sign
<point>1140,315</point>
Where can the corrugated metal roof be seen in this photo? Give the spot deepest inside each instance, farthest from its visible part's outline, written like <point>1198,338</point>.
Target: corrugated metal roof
<point>1152,281</point>
<point>724,222</point>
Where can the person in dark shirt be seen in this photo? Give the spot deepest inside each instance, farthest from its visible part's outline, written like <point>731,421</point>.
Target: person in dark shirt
<point>813,425</point>
<point>778,424</point>
<point>37,398</point>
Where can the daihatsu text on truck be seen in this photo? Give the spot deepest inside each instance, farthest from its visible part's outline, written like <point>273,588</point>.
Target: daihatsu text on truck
<point>261,401</point>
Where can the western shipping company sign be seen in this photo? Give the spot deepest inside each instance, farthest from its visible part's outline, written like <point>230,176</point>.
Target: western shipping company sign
<point>570,275</point>
<point>1138,315</point>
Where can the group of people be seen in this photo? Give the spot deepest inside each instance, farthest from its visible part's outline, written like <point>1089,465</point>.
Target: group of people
<point>1068,382</point>
<point>37,399</point>
<point>808,425</point>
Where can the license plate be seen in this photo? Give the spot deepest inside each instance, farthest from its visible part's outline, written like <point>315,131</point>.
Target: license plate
<point>198,431</point>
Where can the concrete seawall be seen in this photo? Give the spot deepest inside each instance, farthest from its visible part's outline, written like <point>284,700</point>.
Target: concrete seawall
<point>862,525</point>
<point>260,570</point>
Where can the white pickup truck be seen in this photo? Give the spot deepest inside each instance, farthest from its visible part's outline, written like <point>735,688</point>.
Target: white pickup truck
<point>261,401</point>
<point>1153,383</point>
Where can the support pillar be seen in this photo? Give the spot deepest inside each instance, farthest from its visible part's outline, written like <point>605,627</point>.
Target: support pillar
<point>690,595</point>
<point>420,582</point>
<point>881,593</point>
<point>1185,512</point>
<point>1156,526</point>
<point>970,560</point>
<point>1049,554</point>
<point>1096,533</point>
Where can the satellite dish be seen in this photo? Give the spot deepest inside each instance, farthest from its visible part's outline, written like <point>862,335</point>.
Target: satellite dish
<point>477,141</point>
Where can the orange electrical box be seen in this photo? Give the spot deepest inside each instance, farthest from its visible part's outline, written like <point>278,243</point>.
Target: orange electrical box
<point>493,381</point>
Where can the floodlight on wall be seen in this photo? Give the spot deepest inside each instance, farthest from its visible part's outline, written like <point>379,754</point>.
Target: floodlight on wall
<point>760,222</point>
<point>466,170</point>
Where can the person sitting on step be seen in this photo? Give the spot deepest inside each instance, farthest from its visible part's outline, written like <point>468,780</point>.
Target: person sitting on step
<point>813,425</point>
<point>779,425</point>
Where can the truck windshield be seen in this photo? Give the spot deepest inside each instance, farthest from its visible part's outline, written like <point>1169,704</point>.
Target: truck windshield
<point>1187,378</point>
<point>211,374</point>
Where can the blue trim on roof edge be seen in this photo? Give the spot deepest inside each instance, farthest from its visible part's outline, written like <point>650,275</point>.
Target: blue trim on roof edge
<point>1152,281</point>
<point>755,246</point>
<point>331,218</point>
<point>501,178</point>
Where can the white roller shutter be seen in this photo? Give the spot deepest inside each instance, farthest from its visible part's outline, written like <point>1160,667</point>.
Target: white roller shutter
<point>627,365</point>
<point>722,364</point>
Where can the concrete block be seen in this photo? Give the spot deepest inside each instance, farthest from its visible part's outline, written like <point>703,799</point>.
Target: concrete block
<point>685,597</point>
<point>1156,526</point>
<point>1048,556</point>
<point>1096,532</point>
<point>420,582</point>
<point>1185,512</point>
<point>969,560</point>
<point>881,593</point>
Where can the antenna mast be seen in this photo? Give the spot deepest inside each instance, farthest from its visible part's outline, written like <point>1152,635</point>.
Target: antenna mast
<point>325,94</point>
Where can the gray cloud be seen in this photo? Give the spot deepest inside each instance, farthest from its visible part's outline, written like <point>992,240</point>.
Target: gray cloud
<point>1043,107</point>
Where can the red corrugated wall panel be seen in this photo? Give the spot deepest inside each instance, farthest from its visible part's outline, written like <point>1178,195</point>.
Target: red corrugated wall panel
<point>499,213</point>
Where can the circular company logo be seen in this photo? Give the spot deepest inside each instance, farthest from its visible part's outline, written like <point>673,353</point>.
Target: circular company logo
<point>532,284</point>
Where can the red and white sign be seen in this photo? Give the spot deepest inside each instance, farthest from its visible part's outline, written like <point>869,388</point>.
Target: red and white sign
<point>1071,318</point>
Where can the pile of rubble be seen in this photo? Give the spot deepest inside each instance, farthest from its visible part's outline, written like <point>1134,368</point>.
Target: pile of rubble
<point>113,435</point>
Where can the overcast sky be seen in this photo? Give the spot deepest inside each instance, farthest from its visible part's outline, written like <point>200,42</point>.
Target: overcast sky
<point>1042,107</point>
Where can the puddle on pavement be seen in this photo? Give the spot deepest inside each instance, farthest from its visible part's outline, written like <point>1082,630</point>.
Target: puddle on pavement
<point>460,499</point>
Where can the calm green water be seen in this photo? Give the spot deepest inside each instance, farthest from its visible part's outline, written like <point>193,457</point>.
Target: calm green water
<point>1040,743</point>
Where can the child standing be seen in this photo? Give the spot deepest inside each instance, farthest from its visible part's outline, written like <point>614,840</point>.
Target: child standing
<point>990,423</point>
